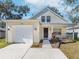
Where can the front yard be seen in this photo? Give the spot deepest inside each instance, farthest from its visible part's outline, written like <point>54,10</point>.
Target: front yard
<point>3,43</point>
<point>71,50</point>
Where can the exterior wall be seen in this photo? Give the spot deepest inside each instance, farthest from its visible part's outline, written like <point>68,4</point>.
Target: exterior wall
<point>12,24</point>
<point>56,22</point>
<point>54,18</point>
<point>10,32</point>
<point>36,34</point>
<point>50,29</point>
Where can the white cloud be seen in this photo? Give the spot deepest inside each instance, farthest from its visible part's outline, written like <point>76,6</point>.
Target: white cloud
<point>44,2</point>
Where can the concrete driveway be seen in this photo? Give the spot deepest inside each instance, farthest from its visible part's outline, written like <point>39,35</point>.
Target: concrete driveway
<point>23,51</point>
<point>14,51</point>
<point>44,53</point>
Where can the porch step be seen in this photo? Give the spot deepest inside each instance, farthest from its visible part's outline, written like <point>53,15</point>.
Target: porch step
<point>46,44</point>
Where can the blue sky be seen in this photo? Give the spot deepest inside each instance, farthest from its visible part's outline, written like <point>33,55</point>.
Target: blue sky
<point>37,5</point>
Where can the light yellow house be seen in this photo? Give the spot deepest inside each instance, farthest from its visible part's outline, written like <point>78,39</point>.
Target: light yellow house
<point>39,27</point>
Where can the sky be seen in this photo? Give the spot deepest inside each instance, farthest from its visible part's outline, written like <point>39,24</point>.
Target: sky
<point>37,5</point>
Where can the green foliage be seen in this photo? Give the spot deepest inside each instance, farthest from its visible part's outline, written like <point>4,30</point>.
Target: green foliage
<point>2,24</point>
<point>75,19</point>
<point>8,10</point>
<point>77,39</point>
<point>69,2</point>
<point>3,43</point>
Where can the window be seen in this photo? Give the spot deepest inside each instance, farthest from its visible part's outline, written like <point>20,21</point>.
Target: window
<point>43,18</point>
<point>58,31</point>
<point>48,18</point>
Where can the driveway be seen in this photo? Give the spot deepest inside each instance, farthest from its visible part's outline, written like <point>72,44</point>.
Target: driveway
<point>44,53</point>
<point>23,51</point>
<point>14,51</point>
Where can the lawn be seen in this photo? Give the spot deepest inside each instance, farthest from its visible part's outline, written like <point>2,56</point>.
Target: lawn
<point>3,43</point>
<point>71,50</point>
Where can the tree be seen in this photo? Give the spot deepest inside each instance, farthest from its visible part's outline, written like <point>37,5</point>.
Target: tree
<point>73,13</point>
<point>75,10</point>
<point>74,21</point>
<point>2,24</point>
<point>8,10</point>
<point>69,2</point>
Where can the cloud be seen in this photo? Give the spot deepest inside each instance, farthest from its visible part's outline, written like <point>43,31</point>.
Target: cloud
<point>44,2</point>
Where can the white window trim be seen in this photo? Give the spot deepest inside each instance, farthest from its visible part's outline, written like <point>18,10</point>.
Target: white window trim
<point>46,19</point>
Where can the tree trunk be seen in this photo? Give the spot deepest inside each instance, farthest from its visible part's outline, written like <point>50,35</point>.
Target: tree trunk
<point>73,32</point>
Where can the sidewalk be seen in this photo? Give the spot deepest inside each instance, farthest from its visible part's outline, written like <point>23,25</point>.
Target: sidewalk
<point>46,44</point>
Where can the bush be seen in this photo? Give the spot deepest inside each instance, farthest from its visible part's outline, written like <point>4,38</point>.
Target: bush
<point>77,39</point>
<point>3,43</point>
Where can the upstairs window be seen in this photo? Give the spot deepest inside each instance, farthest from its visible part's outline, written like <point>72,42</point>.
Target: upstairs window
<point>43,18</point>
<point>48,18</point>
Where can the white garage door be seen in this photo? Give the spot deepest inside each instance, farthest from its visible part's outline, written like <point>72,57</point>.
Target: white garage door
<point>23,33</point>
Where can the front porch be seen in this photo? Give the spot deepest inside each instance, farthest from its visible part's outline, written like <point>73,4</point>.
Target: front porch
<point>47,30</point>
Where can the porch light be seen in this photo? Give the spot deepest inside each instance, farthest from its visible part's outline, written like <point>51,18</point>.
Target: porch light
<point>9,27</point>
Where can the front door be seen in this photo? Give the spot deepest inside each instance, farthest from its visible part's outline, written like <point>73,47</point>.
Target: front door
<point>45,32</point>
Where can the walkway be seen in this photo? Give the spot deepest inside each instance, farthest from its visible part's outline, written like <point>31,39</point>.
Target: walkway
<point>46,44</point>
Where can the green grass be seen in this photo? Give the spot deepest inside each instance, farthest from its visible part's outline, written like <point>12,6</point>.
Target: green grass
<point>3,43</point>
<point>71,50</point>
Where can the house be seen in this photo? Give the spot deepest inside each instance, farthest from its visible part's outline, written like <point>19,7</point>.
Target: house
<point>2,33</point>
<point>76,30</point>
<point>39,27</point>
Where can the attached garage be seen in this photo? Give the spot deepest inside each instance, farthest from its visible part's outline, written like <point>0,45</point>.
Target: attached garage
<point>23,33</point>
<point>19,31</point>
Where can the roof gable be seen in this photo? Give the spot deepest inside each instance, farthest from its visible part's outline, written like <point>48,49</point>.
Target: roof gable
<point>44,11</point>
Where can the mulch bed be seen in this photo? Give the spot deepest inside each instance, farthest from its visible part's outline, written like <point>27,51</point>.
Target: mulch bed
<point>38,46</point>
<point>54,44</point>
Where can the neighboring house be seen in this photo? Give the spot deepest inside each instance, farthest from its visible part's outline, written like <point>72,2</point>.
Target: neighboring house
<point>2,33</point>
<point>39,27</point>
<point>76,30</point>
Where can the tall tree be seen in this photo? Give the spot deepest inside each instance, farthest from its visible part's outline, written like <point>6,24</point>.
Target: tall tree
<point>74,13</point>
<point>74,21</point>
<point>8,10</point>
<point>69,2</point>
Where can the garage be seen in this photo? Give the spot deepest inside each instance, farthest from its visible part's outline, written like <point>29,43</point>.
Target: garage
<point>23,33</point>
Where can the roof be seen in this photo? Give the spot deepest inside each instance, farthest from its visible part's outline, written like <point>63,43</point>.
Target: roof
<point>76,27</point>
<point>48,9</point>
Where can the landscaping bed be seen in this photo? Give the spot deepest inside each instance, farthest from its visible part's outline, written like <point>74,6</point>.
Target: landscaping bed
<point>38,46</point>
<point>54,44</point>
